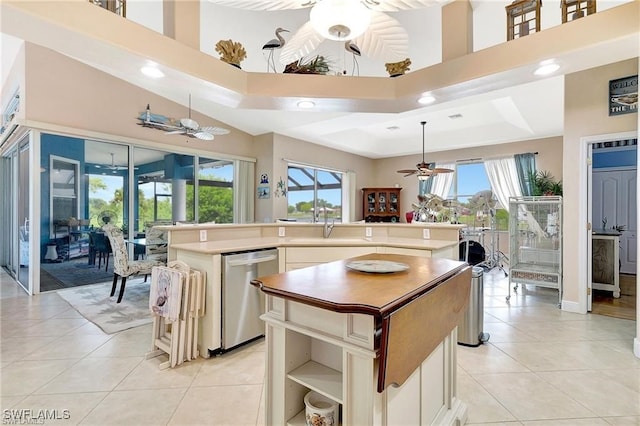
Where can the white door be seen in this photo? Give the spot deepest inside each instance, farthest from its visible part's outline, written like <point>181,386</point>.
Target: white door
<point>614,204</point>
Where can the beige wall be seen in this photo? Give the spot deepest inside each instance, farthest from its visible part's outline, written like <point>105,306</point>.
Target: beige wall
<point>549,158</point>
<point>68,93</point>
<point>317,155</point>
<point>586,115</point>
<point>15,79</point>
<point>264,164</point>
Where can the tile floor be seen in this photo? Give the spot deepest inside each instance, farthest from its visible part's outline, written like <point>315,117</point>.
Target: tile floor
<point>541,366</point>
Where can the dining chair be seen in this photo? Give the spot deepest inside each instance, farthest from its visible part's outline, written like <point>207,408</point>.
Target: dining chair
<point>99,247</point>
<point>122,266</point>
<point>156,244</point>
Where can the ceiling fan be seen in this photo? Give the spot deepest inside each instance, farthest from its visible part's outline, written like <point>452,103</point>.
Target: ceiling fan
<point>364,22</point>
<point>424,170</point>
<point>191,128</point>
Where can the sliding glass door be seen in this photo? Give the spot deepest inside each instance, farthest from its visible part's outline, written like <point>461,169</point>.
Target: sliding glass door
<point>15,243</point>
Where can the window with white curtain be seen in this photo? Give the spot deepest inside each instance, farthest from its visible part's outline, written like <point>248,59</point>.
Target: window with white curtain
<point>471,189</point>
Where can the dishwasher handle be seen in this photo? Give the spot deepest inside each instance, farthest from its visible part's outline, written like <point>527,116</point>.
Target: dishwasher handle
<point>243,262</point>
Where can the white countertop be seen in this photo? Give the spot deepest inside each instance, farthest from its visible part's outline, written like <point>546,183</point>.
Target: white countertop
<point>226,246</point>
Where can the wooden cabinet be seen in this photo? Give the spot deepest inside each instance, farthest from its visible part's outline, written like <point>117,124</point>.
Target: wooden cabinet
<point>381,204</point>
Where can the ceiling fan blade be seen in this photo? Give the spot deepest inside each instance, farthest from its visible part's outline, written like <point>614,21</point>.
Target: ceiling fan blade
<point>385,39</point>
<point>215,130</point>
<point>438,170</point>
<point>396,5</point>
<point>304,41</point>
<point>189,124</point>
<point>410,171</point>
<point>264,4</point>
<point>176,132</point>
<point>205,136</point>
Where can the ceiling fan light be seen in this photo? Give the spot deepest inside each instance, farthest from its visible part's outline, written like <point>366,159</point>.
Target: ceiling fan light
<point>340,19</point>
<point>423,177</point>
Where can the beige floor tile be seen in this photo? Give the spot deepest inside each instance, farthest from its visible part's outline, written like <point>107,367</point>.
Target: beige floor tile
<point>69,409</point>
<point>261,410</point>
<point>604,396</point>
<point>9,401</point>
<point>623,421</point>
<point>91,375</point>
<point>232,368</point>
<point>502,332</point>
<point>139,407</point>
<point>487,358</point>
<point>24,377</point>
<point>69,346</point>
<point>481,406</point>
<point>219,405</point>
<point>540,356</point>
<point>88,328</point>
<point>567,422</point>
<point>628,378</point>
<point>147,375</point>
<point>54,327</point>
<point>124,345</point>
<point>69,313</point>
<point>39,311</point>
<point>599,355</point>
<point>528,397</point>
<point>18,348</point>
<point>530,314</point>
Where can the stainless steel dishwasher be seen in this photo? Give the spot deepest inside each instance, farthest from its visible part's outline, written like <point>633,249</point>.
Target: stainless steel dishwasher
<point>242,303</point>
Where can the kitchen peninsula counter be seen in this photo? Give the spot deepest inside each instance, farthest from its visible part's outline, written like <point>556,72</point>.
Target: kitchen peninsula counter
<point>381,345</point>
<point>302,246</point>
<point>225,246</point>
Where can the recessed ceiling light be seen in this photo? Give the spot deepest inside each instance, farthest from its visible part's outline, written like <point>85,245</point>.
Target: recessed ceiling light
<point>547,68</point>
<point>151,71</point>
<point>455,116</point>
<point>426,100</point>
<point>306,104</point>
<point>393,128</point>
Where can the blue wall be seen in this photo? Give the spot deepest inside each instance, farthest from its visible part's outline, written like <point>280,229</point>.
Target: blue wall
<point>60,146</point>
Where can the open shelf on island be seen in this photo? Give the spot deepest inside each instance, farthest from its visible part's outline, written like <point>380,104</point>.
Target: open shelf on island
<point>319,378</point>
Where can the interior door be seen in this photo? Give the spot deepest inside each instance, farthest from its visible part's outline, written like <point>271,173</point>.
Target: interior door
<point>614,204</point>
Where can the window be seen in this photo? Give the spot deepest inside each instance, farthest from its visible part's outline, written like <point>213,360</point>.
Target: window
<point>314,194</point>
<point>215,190</point>
<point>471,188</point>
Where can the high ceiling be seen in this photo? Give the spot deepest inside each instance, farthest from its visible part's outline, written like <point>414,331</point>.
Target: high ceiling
<point>529,108</point>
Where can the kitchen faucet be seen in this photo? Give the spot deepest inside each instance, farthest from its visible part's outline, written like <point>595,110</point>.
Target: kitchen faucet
<point>327,227</point>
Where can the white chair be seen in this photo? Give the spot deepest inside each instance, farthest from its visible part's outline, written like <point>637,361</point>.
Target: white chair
<point>122,266</point>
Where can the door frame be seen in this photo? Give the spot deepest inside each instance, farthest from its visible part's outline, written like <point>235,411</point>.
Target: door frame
<point>585,215</point>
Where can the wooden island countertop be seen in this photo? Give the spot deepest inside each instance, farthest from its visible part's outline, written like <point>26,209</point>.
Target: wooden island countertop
<point>416,308</point>
<point>335,287</point>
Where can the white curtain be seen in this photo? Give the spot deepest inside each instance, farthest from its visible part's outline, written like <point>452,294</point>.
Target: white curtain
<point>442,182</point>
<point>243,190</point>
<point>349,195</point>
<point>503,177</point>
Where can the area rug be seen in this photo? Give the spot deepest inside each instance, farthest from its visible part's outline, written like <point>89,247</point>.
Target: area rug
<point>93,303</point>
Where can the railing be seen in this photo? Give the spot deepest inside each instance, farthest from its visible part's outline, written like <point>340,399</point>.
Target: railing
<point>118,7</point>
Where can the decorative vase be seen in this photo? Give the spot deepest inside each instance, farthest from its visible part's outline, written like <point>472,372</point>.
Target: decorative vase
<point>320,410</point>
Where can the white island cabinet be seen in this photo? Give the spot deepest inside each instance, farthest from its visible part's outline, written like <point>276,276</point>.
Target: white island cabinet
<point>361,340</point>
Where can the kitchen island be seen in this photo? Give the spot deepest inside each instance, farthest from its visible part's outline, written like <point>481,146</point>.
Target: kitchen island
<point>382,345</point>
